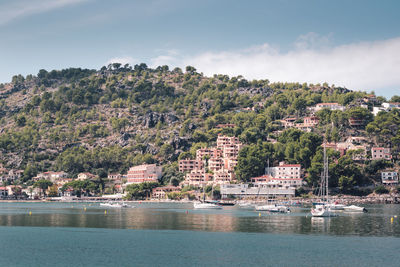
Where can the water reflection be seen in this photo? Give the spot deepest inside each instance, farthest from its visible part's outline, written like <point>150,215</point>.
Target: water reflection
<point>178,216</point>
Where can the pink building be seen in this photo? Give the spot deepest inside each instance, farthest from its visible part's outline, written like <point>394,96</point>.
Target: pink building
<point>198,178</point>
<point>144,173</point>
<point>261,179</point>
<point>210,152</point>
<point>224,176</point>
<point>186,165</point>
<point>311,121</point>
<point>289,122</point>
<point>215,164</point>
<point>381,153</point>
<point>161,192</point>
<point>231,150</point>
<point>223,140</point>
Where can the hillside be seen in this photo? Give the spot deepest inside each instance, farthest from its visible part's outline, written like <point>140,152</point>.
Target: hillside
<point>107,120</point>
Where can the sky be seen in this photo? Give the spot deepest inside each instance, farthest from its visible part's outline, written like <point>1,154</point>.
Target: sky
<point>349,43</point>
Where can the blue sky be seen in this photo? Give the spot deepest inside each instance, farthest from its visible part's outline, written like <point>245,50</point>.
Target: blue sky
<point>354,43</point>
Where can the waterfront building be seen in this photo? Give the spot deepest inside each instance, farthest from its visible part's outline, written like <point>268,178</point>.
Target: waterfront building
<point>144,173</point>
<point>390,177</point>
<point>284,170</point>
<point>261,190</point>
<point>161,192</point>
<point>381,153</point>
<point>263,179</point>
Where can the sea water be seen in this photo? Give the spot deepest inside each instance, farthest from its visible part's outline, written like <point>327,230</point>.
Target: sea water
<point>174,234</point>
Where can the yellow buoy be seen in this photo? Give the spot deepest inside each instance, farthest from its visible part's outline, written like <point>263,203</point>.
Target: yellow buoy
<point>30,212</point>
<point>259,214</point>
<point>391,220</point>
<point>84,208</point>
<point>105,212</point>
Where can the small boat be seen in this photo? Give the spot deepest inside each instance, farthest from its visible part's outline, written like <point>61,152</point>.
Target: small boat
<point>205,205</point>
<point>273,208</point>
<point>354,208</point>
<point>114,205</point>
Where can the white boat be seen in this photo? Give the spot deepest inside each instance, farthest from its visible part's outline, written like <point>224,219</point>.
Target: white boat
<point>204,205</point>
<point>114,205</point>
<point>246,205</point>
<point>273,208</point>
<point>324,209</point>
<point>354,208</point>
<point>336,206</point>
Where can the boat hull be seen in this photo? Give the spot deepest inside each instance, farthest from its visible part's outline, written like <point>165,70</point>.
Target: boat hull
<point>206,206</point>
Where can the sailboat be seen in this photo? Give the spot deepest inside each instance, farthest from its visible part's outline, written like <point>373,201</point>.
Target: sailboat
<point>205,205</point>
<point>324,209</point>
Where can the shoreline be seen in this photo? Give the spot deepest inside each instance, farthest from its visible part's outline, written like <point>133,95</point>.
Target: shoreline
<point>343,199</point>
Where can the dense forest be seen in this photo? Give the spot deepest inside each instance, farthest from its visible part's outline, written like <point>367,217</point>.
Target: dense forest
<point>102,121</point>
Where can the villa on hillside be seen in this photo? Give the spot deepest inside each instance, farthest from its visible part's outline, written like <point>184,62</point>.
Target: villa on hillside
<point>330,106</point>
<point>390,177</point>
<point>86,176</point>
<point>381,153</point>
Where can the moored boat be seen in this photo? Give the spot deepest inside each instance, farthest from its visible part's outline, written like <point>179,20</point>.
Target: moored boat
<point>354,208</point>
<point>325,208</point>
<point>273,208</point>
<point>205,205</point>
<point>114,205</point>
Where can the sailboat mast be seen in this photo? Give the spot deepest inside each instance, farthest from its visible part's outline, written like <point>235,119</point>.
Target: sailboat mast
<point>326,173</point>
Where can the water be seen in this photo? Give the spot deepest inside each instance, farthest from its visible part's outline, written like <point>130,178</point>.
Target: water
<point>173,234</point>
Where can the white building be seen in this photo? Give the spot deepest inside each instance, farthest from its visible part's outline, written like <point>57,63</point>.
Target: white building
<point>385,107</point>
<point>330,106</point>
<point>243,191</point>
<point>390,178</point>
<point>285,171</point>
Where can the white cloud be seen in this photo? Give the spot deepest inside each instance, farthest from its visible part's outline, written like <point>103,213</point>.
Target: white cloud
<point>122,60</point>
<point>360,66</point>
<point>22,8</point>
